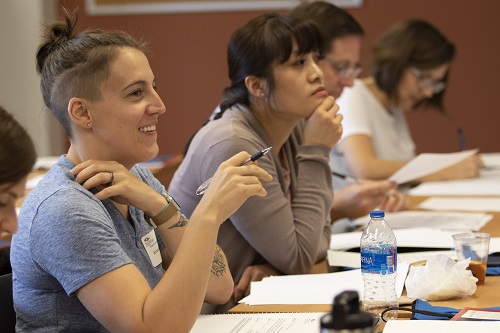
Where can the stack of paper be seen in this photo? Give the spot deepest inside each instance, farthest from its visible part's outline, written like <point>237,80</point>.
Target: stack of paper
<point>353,259</point>
<point>429,163</point>
<point>311,288</point>
<point>435,220</point>
<point>488,183</point>
<point>461,204</point>
<point>259,322</point>
<point>409,237</point>
<point>490,160</point>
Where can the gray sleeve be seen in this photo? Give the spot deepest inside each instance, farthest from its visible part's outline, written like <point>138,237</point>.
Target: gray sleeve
<point>291,237</point>
<point>75,260</point>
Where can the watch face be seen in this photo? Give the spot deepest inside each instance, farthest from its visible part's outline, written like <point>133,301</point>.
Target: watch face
<point>172,200</point>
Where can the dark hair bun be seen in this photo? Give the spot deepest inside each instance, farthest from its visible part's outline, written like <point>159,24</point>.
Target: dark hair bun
<point>55,35</point>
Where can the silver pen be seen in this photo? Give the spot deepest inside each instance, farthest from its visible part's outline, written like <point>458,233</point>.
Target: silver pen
<point>203,187</point>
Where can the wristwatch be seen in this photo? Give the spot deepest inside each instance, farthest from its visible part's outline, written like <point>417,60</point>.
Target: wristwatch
<point>166,214</point>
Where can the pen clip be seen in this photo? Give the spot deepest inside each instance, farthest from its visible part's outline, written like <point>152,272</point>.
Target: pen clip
<point>203,187</point>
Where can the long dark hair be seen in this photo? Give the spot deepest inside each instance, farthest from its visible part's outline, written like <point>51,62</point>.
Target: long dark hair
<point>256,47</point>
<point>17,152</point>
<point>261,43</point>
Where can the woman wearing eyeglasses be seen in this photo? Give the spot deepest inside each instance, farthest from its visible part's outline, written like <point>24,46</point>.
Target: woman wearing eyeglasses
<point>343,38</point>
<point>410,64</point>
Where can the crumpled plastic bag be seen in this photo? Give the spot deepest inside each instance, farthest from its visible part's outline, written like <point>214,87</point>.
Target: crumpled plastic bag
<point>441,278</point>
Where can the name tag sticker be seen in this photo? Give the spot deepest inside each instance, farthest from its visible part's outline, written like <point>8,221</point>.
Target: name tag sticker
<point>151,246</point>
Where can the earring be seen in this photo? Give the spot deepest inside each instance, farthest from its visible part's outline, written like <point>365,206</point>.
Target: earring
<point>88,125</point>
<point>262,94</point>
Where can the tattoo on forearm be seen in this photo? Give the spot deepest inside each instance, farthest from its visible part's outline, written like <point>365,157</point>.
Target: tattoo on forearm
<point>181,223</point>
<point>218,265</point>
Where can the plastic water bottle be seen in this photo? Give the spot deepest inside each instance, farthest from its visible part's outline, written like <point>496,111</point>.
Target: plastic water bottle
<point>346,317</point>
<point>379,266</point>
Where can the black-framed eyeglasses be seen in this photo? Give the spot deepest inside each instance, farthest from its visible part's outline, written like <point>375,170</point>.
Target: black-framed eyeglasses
<point>344,70</point>
<point>425,81</point>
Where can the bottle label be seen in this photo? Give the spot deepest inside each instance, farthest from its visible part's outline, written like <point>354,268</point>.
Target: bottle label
<point>379,260</point>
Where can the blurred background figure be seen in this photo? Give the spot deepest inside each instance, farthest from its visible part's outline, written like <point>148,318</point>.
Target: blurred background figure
<point>17,157</point>
<point>410,65</point>
<point>343,37</point>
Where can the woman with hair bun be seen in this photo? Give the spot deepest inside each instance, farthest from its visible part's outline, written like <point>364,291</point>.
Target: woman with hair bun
<point>101,245</point>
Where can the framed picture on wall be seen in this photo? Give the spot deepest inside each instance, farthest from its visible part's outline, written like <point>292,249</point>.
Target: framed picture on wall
<point>122,7</point>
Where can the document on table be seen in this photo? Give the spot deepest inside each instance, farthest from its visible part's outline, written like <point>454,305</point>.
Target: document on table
<point>494,245</point>
<point>308,322</point>
<point>409,237</point>
<point>440,326</point>
<point>311,288</point>
<point>353,259</point>
<point>428,163</point>
<point>488,183</point>
<point>429,219</point>
<point>427,238</point>
<point>490,160</point>
<point>477,314</point>
<point>461,204</point>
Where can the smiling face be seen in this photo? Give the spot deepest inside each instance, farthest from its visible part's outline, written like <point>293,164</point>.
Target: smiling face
<point>343,57</point>
<point>9,194</point>
<point>299,87</point>
<point>411,90</point>
<point>124,118</point>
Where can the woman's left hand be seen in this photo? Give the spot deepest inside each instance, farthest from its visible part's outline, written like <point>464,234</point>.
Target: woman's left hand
<point>116,182</point>
<point>324,126</point>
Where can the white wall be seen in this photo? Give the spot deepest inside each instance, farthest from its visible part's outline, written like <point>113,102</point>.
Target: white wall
<point>20,31</point>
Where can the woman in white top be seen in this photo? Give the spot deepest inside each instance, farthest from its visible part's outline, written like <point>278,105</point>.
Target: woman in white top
<point>410,64</point>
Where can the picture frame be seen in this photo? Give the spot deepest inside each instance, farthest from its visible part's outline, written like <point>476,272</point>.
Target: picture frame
<point>127,7</point>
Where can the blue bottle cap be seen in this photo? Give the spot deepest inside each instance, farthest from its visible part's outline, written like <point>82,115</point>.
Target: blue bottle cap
<point>377,213</point>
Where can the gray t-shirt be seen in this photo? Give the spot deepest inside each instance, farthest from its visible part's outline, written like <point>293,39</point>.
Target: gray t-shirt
<point>66,239</point>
